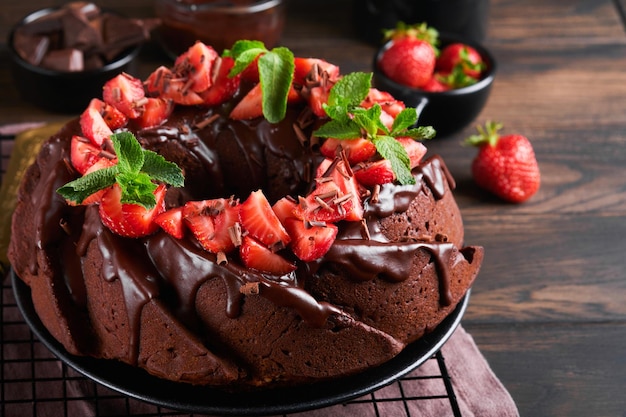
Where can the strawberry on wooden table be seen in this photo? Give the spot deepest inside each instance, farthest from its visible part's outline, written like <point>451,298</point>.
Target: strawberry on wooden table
<point>505,165</point>
<point>410,56</point>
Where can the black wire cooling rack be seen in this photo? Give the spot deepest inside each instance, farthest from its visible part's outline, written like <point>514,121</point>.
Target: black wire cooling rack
<point>34,383</point>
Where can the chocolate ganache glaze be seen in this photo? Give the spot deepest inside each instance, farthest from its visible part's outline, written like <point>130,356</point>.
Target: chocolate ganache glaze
<point>410,236</point>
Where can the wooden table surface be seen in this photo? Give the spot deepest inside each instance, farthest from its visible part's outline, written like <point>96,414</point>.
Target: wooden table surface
<point>549,307</point>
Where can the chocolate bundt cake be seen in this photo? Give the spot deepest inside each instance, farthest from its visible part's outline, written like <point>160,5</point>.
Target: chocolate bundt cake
<point>312,238</point>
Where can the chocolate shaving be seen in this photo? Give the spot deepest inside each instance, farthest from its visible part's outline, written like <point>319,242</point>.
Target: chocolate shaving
<point>65,226</point>
<point>235,234</point>
<point>221,258</point>
<point>343,199</point>
<point>207,121</point>
<point>365,231</point>
<point>300,135</point>
<point>375,194</point>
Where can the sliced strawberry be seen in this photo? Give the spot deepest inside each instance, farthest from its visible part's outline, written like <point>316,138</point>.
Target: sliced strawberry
<point>320,206</point>
<point>172,222</point>
<point>250,106</point>
<point>103,162</point>
<point>348,193</point>
<point>83,153</point>
<point>375,173</point>
<point>310,242</point>
<point>251,72</point>
<point>156,111</point>
<point>305,66</point>
<point>93,125</point>
<point>256,256</point>
<point>176,90</point>
<point>130,220</point>
<point>284,208</point>
<point>294,96</point>
<point>196,66</point>
<point>416,150</point>
<point>223,87</point>
<point>125,93</point>
<point>356,150</point>
<point>260,221</point>
<point>318,96</point>
<point>212,222</point>
<point>164,83</point>
<point>114,118</point>
<point>386,101</point>
<point>156,81</point>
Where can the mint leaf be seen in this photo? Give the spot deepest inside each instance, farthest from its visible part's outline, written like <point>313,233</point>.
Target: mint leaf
<point>390,149</point>
<point>369,120</point>
<point>137,188</point>
<point>405,119</point>
<point>420,133</point>
<point>244,53</point>
<point>162,170</point>
<point>129,152</point>
<point>81,188</point>
<point>276,70</point>
<point>136,171</point>
<point>350,90</point>
<point>339,129</point>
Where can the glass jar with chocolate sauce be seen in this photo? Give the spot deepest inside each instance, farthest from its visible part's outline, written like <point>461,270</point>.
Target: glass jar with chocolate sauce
<point>218,23</point>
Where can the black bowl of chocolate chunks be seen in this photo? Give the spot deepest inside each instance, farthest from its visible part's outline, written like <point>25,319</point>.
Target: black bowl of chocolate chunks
<point>61,57</point>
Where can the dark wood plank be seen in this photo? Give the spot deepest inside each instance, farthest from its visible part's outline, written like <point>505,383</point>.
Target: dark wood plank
<point>549,268</point>
<point>558,369</point>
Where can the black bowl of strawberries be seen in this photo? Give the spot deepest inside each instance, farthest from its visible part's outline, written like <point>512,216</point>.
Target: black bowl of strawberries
<point>447,78</point>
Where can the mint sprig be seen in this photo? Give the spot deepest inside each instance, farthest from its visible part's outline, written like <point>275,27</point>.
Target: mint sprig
<point>276,68</point>
<point>136,171</point>
<point>348,120</point>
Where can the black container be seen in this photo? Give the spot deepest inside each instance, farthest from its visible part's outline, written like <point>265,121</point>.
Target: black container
<point>467,19</point>
<point>58,91</point>
<point>448,111</point>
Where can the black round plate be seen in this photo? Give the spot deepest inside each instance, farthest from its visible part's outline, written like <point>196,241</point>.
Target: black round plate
<point>138,384</point>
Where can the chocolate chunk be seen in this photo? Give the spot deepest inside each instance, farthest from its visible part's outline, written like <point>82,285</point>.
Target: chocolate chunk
<point>87,10</point>
<point>79,36</point>
<point>32,48</point>
<point>45,24</point>
<point>69,60</point>
<point>79,33</point>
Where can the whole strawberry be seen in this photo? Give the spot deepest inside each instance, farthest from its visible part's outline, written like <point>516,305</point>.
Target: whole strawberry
<point>411,55</point>
<point>462,56</point>
<point>505,165</point>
